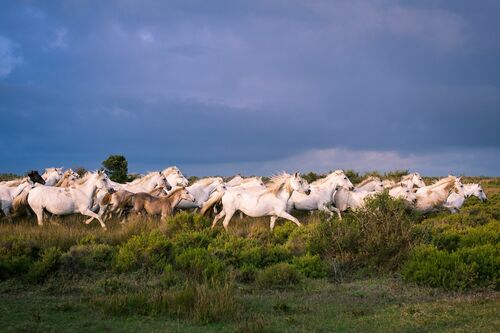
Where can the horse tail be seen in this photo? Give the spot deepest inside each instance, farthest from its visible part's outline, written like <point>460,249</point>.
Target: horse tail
<point>211,202</point>
<point>21,201</point>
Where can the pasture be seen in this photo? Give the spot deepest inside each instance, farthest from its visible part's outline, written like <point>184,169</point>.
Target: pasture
<point>382,268</point>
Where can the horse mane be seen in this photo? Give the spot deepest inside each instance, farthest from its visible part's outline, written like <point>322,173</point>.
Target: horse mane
<point>65,176</point>
<point>408,176</point>
<point>249,179</point>
<point>16,182</point>
<point>176,190</point>
<point>206,181</point>
<point>327,178</point>
<point>277,182</point>
<point>368,180</point>
<point>448,182</point>
<point>84,178</point>
<point>143,178</point>
<point>170,170</point>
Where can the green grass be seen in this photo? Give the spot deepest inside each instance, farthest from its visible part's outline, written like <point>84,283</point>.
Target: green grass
<point>372,305</point>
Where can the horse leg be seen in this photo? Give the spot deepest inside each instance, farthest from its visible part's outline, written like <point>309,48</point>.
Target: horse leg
<point>289,217</point>
<point>227,218</point>
<point>90,213</point>
<point>218,217</point>
<point>328,210</point>
<point>273,221</point>
<point>39,215</point>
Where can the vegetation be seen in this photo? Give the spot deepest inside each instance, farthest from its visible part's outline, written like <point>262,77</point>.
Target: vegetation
<point>116,167</point>
<point>381,268</point>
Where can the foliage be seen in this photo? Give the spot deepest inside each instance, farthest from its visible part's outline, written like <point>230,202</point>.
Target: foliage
<point>87,258</point>
<point>150,251</point>
<point>8,176</point>
<point>48,263</point>
<point>281,275</point>
<point>81,171</point>
<point>311,266</point>
<point>16,256</point>
<point>465,268</point>
<point>116,166</point>
<point>203,303</point>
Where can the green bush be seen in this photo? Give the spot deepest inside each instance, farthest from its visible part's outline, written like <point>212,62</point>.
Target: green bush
<point>81,259</point>
<point>246,273</point>
<point>185,221</point>
<point>148,251</point>
<point>48,263</point>
<point>462,269</point>
<point>199,264</point>
<point>16,256</point>
<point>311,266</point>
<point>189,239</point>
<point>280,275</point>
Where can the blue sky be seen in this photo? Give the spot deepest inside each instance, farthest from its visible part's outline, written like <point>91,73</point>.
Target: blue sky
<point>219,87</point>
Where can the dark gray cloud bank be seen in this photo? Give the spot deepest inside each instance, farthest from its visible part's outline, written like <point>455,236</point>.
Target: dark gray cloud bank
<point>218,87</point>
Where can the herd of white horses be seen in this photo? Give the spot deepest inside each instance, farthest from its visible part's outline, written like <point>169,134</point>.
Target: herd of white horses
<point>94,195</point>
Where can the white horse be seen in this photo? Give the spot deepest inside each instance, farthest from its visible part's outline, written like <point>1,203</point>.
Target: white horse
<point>8,194</point>
<point>68,179</point>
<point>432,196</point>
<point>52,176</point>
<point>344,199</point>
<point>321,196</point>
<point>455,200</point>
<point>175,177</point>
<point>370,184</point>
<point>409,180</point>
<point>147,183</point>
<point>63,201</point>
<point>269,202</point>
<point>201,191</point>
<point>412,179</point>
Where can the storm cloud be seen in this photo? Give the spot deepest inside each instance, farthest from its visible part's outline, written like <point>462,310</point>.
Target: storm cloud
<point>253,86</point>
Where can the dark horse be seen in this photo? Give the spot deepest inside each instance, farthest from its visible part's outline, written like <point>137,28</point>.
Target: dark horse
<point>35,177</point>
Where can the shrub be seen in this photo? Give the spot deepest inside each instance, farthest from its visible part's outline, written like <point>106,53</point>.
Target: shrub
<point>311,266</point>
<point>457,270</point>
<point>16,256</point>
<point>149,251</point>
<point>190,239</point>
<point>88,258</point>
<point>280,275</point>
<point>246,273</point>
<point>48,263</point>
<point>199,264</point>
<point>185,221</point>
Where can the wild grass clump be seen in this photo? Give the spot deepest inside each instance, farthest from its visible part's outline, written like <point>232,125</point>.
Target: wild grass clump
<point>281,275</point>
<point>88,258</point>
<point>48,263</point>
<point>198,264</point>
<point>148,251</point>
<point>203,303</point>
<point>311,266</point>
<point>16,256</point>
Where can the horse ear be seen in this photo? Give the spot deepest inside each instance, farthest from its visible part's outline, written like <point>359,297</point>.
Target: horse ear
<point>296,174</point>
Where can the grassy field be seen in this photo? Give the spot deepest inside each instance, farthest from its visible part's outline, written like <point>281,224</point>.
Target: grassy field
<point>382,269</point>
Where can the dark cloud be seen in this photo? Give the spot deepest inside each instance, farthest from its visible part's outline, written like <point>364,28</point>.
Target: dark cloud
<point>238,84</point>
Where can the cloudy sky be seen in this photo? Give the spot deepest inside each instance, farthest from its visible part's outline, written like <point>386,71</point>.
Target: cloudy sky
<point>218,87</point>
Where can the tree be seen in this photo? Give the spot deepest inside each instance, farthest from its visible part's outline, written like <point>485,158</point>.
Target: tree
<point>116,167</point>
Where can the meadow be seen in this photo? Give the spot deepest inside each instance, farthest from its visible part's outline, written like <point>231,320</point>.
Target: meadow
<point>383,268</point>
